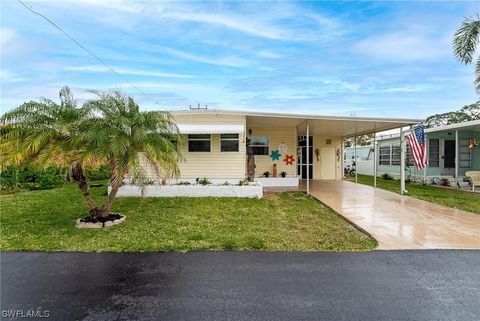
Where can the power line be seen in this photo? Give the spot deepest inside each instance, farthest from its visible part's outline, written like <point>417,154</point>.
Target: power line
<point>83,47</point>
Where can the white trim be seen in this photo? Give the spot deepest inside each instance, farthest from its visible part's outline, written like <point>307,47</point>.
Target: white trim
<point>201,128</point>
<point>292,116</point>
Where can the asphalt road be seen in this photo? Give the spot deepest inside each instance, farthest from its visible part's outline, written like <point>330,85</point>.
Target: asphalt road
<point>379,285</point>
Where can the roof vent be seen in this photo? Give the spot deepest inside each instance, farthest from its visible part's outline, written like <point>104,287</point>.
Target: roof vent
<point>198,107</point>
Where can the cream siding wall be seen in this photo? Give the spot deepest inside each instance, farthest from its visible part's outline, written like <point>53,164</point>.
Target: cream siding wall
<point>213,164</point>
<point>319,142</point>
<point>276,137</point>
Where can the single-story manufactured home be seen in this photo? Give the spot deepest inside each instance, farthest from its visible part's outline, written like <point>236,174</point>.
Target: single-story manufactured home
<point>221,147</point>
<point>218,142</point>
<point>452,151</point>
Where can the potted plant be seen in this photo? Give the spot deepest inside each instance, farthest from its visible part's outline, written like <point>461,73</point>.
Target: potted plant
<point>283,174</point>
<point>266,174</point>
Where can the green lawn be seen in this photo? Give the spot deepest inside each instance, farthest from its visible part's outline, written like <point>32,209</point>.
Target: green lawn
<point>443,196</point>
<point>44,221</point>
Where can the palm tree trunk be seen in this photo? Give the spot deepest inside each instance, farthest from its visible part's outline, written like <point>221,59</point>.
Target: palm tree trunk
<point>79,177</point>
<point>105,209</point>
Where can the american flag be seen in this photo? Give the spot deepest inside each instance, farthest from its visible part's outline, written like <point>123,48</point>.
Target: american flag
<point>416,139</point>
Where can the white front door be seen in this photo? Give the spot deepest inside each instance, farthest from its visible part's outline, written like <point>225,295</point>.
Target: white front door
<point>327,163</point>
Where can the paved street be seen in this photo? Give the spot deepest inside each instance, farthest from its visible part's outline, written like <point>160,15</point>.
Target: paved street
<point>378,285</point>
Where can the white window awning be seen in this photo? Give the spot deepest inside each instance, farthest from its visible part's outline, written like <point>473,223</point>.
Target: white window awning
<point>203,128</point>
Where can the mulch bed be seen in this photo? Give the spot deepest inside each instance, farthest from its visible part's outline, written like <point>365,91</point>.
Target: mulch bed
<point>111,217</point>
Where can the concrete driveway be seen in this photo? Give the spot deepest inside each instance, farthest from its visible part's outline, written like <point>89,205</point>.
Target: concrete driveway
<point>400,222</point>
<point>378,285</point>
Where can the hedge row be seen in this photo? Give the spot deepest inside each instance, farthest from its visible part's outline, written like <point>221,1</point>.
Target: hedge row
<point>14,177</point>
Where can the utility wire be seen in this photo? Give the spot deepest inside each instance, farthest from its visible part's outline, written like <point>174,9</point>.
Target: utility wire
<point>83,47</point>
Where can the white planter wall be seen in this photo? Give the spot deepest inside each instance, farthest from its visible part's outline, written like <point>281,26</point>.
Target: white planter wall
<point>213,181</point>
<point>278,181</point>
<point>191,191</point>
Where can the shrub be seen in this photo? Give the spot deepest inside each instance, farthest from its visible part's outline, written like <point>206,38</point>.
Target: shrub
<point>97,173</point>
<point>387,177</point>
<point>49,178</point>
<point>13,177</point>
<point>9,178</point>
<point>266,174</point>
<point>204,181</point>
<point>283,174</point>
<point>184,183</point>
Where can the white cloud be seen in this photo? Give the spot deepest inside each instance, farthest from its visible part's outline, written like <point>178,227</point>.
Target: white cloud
<point>243,24</point>
<point>230,61</point>
<point>114,4</point>
<point>268,54</point>
<point>127,71</point>
<point>262,20</point>
<point>404,46</point>
<point>14,45</point>
<point>7,76</point>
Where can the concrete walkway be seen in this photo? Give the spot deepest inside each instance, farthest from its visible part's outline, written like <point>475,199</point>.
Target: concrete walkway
<point>400,222</point>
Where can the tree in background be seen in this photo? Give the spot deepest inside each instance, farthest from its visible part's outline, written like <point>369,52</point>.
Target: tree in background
<point>108,130</point>
<point>362,140</point>
<point>465,44</point>
<point>466,113</point>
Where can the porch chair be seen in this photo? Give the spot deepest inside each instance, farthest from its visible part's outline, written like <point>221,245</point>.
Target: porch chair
<point>474,177</point>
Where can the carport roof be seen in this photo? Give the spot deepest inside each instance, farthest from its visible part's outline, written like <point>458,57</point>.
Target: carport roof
<point>340,126</point>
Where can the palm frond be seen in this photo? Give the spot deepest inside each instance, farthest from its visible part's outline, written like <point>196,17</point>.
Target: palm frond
<point>466,39</point>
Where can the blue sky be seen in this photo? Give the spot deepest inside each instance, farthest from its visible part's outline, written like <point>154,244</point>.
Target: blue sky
<point>385,59</point>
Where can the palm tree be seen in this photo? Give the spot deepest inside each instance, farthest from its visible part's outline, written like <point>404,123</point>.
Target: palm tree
<point>134,143</point>
<point>465,43</point>
<point>110,129</point>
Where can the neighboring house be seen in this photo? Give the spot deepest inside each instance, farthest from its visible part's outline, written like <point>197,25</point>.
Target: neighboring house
<point>217,142</point>
<point>364,158</point>
<point>451,152</point>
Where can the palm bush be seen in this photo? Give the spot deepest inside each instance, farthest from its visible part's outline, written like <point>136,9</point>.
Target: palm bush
<point>109,130</point>
<point>465,43</point>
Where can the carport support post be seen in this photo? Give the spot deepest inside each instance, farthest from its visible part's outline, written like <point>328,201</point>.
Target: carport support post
<point>308,158</point>
<point>342,159</point>
<point>425,168</point>
<point>375,160</point>
<point>355,160</point>
<point>402,161</point>
<point>456,158</point>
